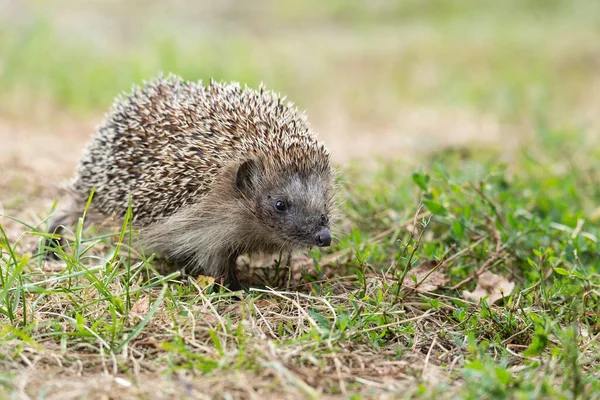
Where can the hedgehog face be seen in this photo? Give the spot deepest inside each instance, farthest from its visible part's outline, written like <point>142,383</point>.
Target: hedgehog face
<point>294,208</point>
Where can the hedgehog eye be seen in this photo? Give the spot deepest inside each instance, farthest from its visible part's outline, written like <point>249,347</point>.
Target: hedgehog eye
<point>280,205</point>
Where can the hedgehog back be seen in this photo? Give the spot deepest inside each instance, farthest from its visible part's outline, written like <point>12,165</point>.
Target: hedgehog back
<point>165,144</point>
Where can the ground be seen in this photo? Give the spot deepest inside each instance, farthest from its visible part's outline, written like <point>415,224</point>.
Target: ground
<point>466,264</point>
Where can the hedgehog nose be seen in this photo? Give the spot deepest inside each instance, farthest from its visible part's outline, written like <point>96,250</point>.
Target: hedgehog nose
<point>323,238</point>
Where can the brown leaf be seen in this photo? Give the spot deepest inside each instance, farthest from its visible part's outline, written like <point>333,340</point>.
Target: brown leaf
<point>141,306</point>
<point>492,286</point>
<point>427,281</point>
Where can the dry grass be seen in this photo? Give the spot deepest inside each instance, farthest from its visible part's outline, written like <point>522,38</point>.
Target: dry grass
<point>276,369</point>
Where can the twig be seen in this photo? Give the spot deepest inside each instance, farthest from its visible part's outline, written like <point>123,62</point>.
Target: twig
<point>426,314</point>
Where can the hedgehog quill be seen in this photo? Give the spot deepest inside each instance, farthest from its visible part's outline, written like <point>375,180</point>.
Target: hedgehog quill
<point>212,172</point>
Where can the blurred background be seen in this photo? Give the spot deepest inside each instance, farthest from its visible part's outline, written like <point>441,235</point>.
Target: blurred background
<point>379,79</point>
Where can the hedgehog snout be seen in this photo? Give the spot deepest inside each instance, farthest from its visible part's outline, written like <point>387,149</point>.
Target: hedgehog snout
<point>323,238</point>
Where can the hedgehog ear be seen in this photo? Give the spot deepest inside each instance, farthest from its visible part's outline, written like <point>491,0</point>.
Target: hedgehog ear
<point>247,176</point>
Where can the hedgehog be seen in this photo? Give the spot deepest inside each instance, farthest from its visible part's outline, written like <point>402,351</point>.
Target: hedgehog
<point>210,172</point>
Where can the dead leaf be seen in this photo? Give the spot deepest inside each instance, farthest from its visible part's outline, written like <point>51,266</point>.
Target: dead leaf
<point>204,281</point>
<point>492,286</point>
<point>427,281</point>
<point>141,306</point>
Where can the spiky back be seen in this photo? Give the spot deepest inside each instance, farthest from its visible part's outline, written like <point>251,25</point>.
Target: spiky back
<point>166,143</point>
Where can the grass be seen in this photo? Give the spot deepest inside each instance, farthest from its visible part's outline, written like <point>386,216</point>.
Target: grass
<point>343,327</point>
<point>386,312</point>
<point>450,54</point>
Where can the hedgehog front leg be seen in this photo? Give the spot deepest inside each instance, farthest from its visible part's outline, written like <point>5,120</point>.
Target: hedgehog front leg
<point>226,269</point>
<point>58,223</point>
<point>232,281</point>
